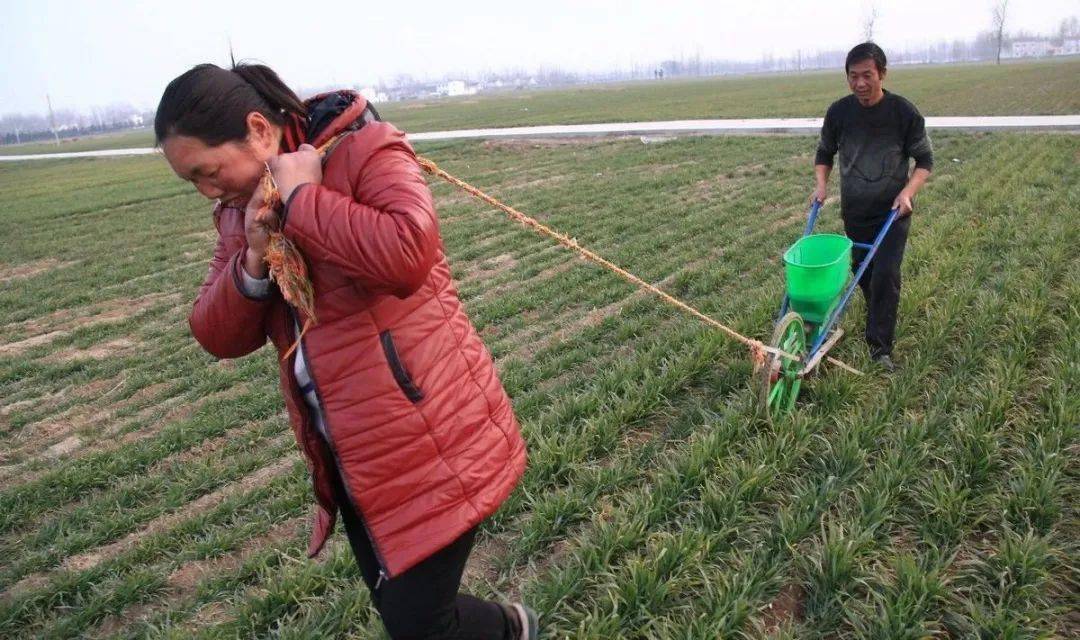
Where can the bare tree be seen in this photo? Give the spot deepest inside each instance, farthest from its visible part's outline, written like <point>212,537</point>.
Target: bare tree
<point>869,18</point>
<point>999,25</point>
<point>1069,28</point>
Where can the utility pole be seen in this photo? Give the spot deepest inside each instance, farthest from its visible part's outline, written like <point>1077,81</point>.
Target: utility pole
<point>52,120</point>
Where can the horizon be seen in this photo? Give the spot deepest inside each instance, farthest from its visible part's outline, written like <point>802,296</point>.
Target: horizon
<point>75,62</point>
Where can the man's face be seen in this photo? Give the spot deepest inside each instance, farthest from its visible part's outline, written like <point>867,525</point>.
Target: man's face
<point>865,82</point>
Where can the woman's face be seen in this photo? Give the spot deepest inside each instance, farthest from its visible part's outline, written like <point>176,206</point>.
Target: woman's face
<point>228,171</point>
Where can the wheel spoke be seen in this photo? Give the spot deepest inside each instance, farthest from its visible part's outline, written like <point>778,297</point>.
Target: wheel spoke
<point>779,396</point>
<point>776,391</point>
<point>793,395</point>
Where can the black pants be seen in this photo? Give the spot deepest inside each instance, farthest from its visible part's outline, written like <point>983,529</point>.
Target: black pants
<point>424,602</point>
<point>880,283</point>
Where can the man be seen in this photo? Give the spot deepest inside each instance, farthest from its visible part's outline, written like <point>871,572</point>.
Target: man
<point>876,133</point>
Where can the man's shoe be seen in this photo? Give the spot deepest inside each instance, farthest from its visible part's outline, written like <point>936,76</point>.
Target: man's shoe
<point>530,625</point>
<point>885,362</point>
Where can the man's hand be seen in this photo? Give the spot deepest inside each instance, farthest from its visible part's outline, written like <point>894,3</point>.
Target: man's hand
<point>290,170</point>
<point>821,191</point>
<point>903,203</point>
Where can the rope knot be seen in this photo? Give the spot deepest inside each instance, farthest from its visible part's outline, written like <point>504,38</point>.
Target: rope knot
<point>427,165</point>
<point>287,265</point>
<point>757,353</point>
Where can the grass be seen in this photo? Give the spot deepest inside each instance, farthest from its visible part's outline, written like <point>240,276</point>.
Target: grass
<point>1015,88</point>
<point>128,139</point>
<point>150,492</point>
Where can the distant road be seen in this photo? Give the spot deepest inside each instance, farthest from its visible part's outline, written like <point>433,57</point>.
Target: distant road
<point>670,127</point>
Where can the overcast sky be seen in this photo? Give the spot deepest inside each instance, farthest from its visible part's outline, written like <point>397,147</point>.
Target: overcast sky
<point>88,54</point>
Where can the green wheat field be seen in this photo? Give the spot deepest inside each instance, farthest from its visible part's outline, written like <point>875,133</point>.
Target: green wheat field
<point>149,491</point>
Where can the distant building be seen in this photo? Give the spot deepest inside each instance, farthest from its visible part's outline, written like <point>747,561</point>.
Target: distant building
<point>1031,48</point>
<point>452,88</point>
<point>455,88</point>
<point>136,120</point>
<point>374,95</point>
<point>1070,46</point>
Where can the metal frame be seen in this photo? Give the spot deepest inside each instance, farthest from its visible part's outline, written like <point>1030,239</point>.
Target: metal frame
<point>824,341</point>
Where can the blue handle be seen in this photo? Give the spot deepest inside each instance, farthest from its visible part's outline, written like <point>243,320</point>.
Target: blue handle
<point>815,208</point>
<point>832,319</point>
<point>893,215</point>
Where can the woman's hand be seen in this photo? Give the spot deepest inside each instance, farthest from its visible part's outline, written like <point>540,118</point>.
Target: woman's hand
<point>258,235</point>
<point>291,170</point>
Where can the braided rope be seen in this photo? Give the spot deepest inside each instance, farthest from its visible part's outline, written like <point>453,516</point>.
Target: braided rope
<point>757,348</point>
<point>287,265</point>
<point>289,269</point>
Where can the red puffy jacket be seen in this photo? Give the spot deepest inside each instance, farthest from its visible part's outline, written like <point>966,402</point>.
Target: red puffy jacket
<point>417,418</point>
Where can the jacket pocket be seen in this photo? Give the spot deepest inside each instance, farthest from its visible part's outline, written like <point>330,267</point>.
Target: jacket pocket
<point>401,375</point>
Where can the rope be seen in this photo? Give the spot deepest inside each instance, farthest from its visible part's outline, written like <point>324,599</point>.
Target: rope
<point>757,348</point>
<point>289,269</point>
<point>287,265</point>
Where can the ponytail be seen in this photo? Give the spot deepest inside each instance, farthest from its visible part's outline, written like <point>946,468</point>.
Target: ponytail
<point>270,88</point>
<point>212,104</point>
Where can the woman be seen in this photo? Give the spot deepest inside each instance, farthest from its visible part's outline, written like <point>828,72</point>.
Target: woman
<point>392,396</point>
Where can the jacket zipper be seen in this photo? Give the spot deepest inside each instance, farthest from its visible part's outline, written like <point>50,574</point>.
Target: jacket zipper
<point>384,574</point>
<point>397,369</point>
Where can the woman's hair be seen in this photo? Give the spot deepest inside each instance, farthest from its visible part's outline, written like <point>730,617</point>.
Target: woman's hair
<point>212,104</point>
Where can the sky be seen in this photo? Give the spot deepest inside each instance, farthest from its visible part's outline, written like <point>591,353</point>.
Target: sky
<point>86,54</point>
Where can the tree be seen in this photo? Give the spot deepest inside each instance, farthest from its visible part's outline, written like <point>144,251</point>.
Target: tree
<point>999,25</point>
<point>868,21</point>
<point>1069,28</point>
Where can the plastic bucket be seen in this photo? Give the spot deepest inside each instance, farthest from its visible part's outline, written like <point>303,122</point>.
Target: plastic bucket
<point>817,268</point>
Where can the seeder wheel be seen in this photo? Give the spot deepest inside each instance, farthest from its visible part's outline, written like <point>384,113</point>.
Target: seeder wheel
<point>778,379</point>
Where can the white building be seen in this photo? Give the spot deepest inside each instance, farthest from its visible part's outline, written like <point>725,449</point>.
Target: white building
<point>374,95</point>
<point>455,88</point>
<point>1030,48</point>
<point>1070,46</point>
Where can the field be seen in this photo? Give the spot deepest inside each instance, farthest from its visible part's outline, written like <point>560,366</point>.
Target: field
<point>132,139</point>
<point>149,491</point>
<point>1017,88</point>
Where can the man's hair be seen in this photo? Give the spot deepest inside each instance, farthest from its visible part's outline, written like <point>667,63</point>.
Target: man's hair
<point>865,51</point>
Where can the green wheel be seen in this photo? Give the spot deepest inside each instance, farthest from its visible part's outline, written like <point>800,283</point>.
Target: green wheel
<point>778,380</point>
